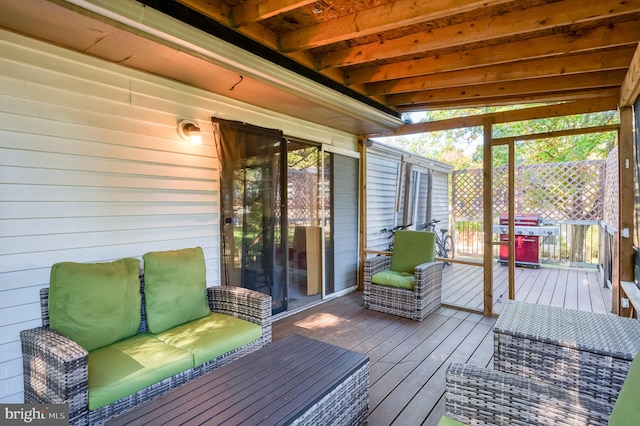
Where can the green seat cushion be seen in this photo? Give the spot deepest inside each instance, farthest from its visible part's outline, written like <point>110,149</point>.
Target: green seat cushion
<point>209,337</point>
<point>95,304</point>
<point>394,279</point>
<point>412,248</point>
<point>127,366</point>
<point>175,288</point>
<point>447,421</point>
<point>626,411</point>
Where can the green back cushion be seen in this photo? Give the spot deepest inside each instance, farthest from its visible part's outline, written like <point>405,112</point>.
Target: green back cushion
<point>626,411</point>
<point>174,288</point>
<point>95,304</point>
<point>412,248</point>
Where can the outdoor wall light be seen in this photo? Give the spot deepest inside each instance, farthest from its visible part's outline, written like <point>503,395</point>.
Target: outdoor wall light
<point>189,131</point>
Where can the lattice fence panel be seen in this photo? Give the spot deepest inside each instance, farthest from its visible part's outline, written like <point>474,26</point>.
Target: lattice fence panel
<point>556,191</point>
<point>304,205</point>
<point>611,190</point>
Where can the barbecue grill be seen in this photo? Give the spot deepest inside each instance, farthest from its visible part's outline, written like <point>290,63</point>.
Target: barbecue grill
<point>527,233</point>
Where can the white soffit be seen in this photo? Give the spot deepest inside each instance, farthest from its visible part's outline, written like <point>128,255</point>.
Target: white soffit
<point>153,24</point>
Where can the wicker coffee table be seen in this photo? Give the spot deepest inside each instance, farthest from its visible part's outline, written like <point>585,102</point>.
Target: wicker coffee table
<point>295,380</point>
<point>585,351</point>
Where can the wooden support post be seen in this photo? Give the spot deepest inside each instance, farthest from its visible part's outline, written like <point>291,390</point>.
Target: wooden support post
<point>512,218</point>
<point>487,185</point>
<point>626,209</point>
<point>362,147</point>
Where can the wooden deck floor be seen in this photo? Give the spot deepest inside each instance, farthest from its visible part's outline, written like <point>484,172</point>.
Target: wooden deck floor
<point>409,359</point>
<point>572,288</point>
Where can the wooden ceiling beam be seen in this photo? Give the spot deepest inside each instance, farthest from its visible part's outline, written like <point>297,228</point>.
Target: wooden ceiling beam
<point>620,34</point>
<point>539,98</point>
<point>258,10</point>
<point>529,20</point>
<point>385,17</point>
<point>566,65</point>
<point>630,88</point>
<point>598,104</point>
<point>586,81</point>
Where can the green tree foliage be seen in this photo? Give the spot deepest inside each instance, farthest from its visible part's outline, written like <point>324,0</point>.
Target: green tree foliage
<point>462,148</point>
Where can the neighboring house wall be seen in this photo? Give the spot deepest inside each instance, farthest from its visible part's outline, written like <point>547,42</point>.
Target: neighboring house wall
<point>383,170</point>
<point>92,169</point>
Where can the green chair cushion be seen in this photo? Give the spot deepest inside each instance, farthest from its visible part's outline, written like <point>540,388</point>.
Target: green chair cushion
<point>174,287</point>
<point>127,366</point>
<point>394,279</point>
<point>626,411</point>
<point>209,337</point>
<point>447,421</point>
<point>95,304</point>
<point>412,248</point>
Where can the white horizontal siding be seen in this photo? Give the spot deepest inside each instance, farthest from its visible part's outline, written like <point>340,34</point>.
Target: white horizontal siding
<point>383,166</point>
<point>92,169</point>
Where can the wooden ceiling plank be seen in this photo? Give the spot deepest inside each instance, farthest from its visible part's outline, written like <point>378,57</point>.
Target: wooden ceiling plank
<point>585,81</point>
<point>548,16</point>
<point>377,19</point>
<point>570,108</point>
<point>258,10</point>
<point>565,65</point>
<point>630,88</point>
<point>621,34</point>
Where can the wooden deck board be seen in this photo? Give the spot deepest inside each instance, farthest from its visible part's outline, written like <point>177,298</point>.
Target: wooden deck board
<point>409,359</point>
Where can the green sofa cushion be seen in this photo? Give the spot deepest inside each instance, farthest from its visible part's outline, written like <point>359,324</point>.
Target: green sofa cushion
<point>95,304</point>
<point>394,279</point>
<point>127,366</point>
<point>626,411</point>
<point>412,248</point>
<point>447,421</point>
<point>174,288</point>
<point>209,337</point>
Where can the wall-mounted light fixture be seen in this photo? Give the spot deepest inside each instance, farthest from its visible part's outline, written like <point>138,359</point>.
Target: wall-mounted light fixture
<point>189,131</point>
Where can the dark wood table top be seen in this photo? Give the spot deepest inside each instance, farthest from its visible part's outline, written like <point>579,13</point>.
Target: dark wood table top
<point>273,385</point>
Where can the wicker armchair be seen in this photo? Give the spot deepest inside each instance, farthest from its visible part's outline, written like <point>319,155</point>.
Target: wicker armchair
<point>408,283</point>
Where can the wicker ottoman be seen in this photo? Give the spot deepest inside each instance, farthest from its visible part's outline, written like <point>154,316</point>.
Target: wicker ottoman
<point>583,351</point>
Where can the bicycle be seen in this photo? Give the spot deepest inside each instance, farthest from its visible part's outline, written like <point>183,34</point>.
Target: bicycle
<point>444,241</point>
<point>392,232</point>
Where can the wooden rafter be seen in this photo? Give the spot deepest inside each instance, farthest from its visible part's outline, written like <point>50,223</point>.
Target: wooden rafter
<point>384,17</point>
<point>630,88</point>
<point>615,59</point>
<point>258,10</point>
<point>558,110</point>
<point>621,34</point>
<point>515,23</point>
<point>587,81</point>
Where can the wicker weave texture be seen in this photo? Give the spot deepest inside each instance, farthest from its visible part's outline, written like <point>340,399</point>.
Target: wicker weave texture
<point>425,298</point>
<point>585,351</point>
<point>478,396</point>
<point>56,368</point>
<point>346,405</point>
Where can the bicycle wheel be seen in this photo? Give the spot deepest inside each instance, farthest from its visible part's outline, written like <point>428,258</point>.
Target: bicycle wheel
<point>448,247</point>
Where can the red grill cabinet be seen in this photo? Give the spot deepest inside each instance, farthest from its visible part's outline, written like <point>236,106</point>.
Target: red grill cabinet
<point>527,241</point>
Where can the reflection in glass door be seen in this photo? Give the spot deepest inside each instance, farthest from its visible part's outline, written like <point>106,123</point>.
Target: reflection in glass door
<point>304,220</point>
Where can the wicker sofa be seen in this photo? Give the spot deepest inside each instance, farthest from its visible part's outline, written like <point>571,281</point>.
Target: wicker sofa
<point>99,383</point>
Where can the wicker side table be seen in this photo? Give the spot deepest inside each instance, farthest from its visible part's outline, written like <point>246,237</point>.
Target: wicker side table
<point>584,351</point>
